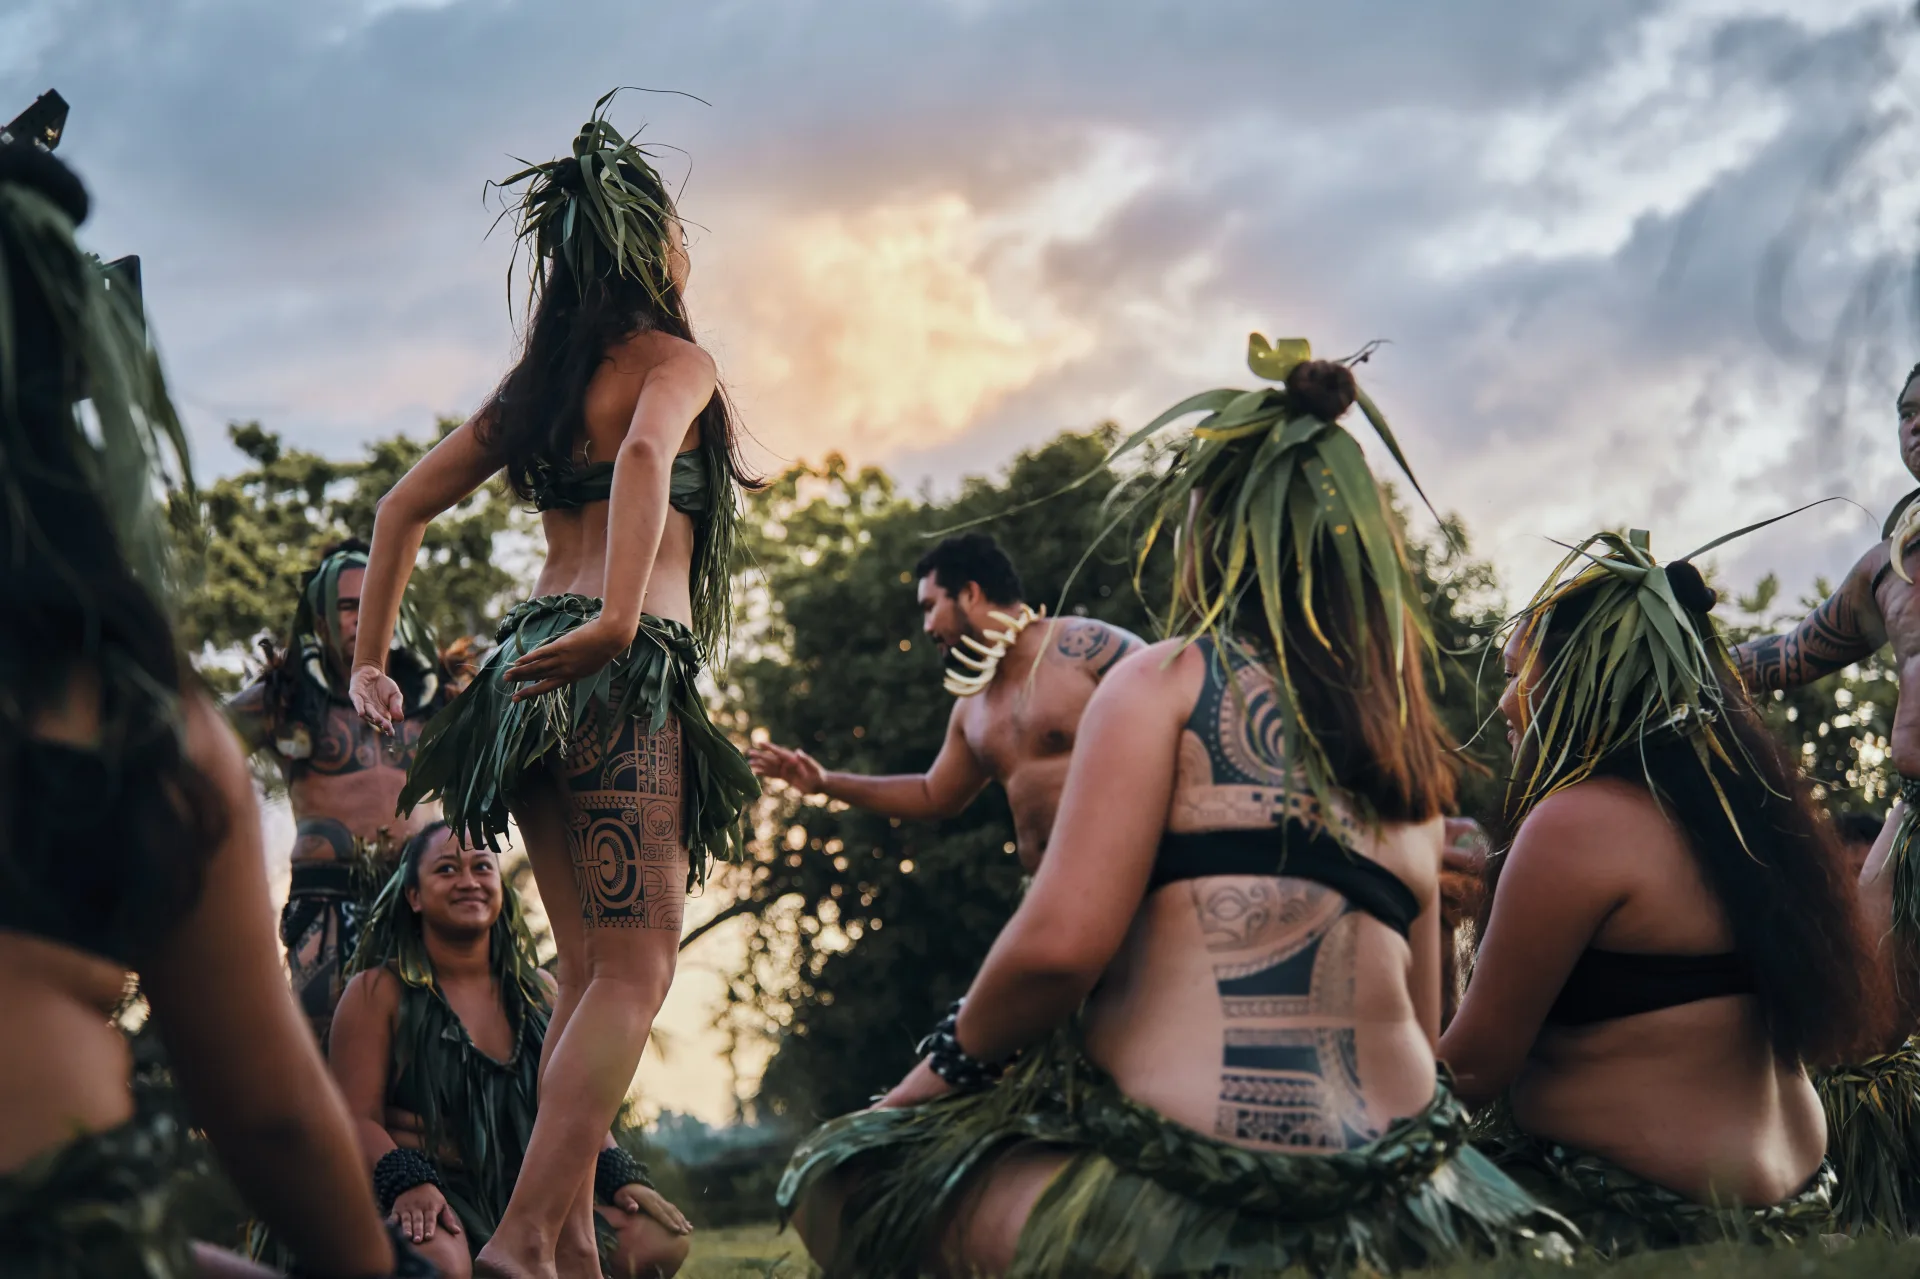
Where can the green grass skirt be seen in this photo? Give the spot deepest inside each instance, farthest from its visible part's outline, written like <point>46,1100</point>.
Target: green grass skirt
<point>475,754</point>
<point>1143,1195</point>
<point>1620,1213</point>
<point>100,1207</point>
<point>1873,1140</point>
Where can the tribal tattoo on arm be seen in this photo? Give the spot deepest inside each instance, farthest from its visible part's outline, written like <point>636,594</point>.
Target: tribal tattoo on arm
<point>1830,639</point>
<point>1096,644</point>
<point>1285,950</point>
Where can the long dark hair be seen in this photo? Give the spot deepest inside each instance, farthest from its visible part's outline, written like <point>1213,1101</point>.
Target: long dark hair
<point>75,603</point>
<point>539,409</point>
<point>1780,875</point>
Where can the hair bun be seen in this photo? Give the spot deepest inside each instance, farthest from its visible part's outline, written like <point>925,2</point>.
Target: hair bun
<point>1690,588</point>
<point>1321,388</point>
<point>24,164</point>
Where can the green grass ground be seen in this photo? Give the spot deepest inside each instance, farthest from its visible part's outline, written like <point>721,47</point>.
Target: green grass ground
<point>743,1251</point>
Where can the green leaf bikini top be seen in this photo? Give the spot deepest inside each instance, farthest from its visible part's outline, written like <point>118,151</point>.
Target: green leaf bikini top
<point>565,487</point>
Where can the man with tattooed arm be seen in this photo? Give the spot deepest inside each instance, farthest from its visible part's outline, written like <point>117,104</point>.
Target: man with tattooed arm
<point>1005,726</point>
<point>343,778</point>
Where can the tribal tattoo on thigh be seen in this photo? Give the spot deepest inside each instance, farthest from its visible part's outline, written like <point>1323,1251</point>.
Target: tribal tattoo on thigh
<point>625,825</point>
<point>1285,949</point>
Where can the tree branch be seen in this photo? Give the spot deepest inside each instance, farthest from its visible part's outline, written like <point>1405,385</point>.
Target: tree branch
<point>745,906</point>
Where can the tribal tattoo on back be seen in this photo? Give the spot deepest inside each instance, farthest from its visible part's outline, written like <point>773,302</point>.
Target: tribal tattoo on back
<point>625,824</point>
<point>1285,950</point>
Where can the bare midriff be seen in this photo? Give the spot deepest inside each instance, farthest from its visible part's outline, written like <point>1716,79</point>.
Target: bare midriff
<point>576,561</point>
<point>65,1072</point>
<point>1688,1097</point>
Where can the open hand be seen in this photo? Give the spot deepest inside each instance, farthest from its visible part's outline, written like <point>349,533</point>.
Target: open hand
<point>376,697</point>
<point>920,1085</point>
<point>573,656</point>
<point>1465,847</point>
<point>794,767</point>
<point>637,1198</point>
<point>421,1210</point>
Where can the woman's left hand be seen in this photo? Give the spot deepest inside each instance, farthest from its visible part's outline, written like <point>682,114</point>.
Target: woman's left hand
<point>572,656</point>
<point>920,1085</point>
<point>637,1198</point>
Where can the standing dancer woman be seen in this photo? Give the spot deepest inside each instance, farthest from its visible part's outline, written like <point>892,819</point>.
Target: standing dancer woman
<point>584,724</point>
<point>1672,939</point>
<point>1225,979</point>
<point>129,834</point>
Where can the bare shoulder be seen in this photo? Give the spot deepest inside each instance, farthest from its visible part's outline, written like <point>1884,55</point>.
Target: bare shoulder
<point>1096,645</point>
<point>1591,832</point>
<point>376,990</point>
<point>653,354</point>
<point>1165,669</point>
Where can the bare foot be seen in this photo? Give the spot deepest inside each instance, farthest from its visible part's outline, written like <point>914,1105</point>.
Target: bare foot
<point>494,1262</point>
<point>575,1261</point>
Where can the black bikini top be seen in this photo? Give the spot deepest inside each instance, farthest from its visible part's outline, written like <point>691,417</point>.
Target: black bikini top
<point>566,487</point>
<point>1291,847</point>
<point>67,876</point>
<point>1606,984</point>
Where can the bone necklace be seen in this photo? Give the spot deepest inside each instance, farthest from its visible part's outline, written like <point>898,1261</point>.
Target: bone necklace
<point>1903,533</point>
<point>984,661</point>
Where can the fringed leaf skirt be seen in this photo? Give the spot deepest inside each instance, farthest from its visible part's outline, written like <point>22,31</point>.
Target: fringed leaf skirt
<point>475,754</point>
<point>1144,1196</point>
<point>1620,1213</point>
<point>1873,1140</point>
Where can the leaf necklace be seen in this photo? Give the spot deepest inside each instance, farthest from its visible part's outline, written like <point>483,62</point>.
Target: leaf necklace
<point>984,661</point>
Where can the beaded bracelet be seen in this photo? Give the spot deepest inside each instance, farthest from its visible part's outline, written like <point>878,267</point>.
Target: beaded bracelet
<point>400,1170</point>
<point>615,1168</point>
<point>947,1059</point>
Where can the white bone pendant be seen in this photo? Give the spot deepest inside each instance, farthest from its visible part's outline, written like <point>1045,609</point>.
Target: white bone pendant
<point>984,660</point>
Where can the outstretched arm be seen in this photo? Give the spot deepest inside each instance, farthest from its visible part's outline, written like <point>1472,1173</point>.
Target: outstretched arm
<point>247,712</point>
<point>1845,629</point>
<point>449,473</point>
<point>954,781</point>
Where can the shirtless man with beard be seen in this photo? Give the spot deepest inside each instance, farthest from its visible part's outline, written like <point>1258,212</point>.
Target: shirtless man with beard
<point>1876,605</point>
<point>343,778</point>
<point>1005,727</point>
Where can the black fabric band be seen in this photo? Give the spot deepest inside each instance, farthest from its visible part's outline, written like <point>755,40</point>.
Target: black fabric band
<point>947,1059</point>
<point>615,1168</point>
<point>323,879</point>
<point>1304,853</point>
<point>400,1170</point>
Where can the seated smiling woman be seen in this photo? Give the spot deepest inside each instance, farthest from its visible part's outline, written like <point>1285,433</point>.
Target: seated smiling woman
<point>1672,939</point>
<point>437,1047</point>
<point>1225,979</point>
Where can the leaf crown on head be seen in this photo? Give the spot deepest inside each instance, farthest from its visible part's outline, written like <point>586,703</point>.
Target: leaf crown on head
<point>1277,490</point>
<point>320,599</point>
<point>602,210</point>
<point>1637,665</point>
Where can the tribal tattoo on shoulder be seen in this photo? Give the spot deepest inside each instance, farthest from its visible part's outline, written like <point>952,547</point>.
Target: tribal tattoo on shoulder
<point>1285,949</point>
<point>1828,640</point>
<point>1094,643</point>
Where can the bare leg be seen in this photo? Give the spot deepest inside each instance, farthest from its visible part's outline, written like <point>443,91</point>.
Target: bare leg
<point>628,866</point>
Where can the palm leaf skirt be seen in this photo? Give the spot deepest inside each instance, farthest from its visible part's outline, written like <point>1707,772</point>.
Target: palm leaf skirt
<point>1142,1195</point>
<point>476,753</point>
<point>101,1206</point>
<point>1873,1140</point>
<point>1621,1213</point>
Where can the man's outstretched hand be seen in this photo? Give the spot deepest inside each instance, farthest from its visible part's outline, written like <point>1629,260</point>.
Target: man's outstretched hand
<point>794,767</point>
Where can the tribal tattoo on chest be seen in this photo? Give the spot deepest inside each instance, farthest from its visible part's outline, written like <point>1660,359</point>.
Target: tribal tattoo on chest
<point>1285,950</point>
<point>344,743</point>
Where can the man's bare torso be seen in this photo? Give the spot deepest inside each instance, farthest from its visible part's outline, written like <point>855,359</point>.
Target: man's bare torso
<point>1022,728</point>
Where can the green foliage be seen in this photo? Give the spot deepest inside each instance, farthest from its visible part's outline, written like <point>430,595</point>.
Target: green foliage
<point>863,928</point>
<point>266,526</point>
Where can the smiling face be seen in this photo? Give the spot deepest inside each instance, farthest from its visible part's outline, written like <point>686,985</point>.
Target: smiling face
<point>1910,426</point>
<point>459,892</point>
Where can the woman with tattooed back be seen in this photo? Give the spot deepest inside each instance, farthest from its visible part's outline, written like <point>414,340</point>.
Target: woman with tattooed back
<point>1205,1042</point>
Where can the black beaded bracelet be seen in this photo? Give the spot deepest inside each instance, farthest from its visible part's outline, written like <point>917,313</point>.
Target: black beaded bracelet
<point>615,1168</point>
<point>947,1059</point>
<point>400,1170</point>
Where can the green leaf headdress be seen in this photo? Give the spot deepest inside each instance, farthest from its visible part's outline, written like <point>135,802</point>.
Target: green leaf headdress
<point>1278,491</point>
<point>124,444</point>
<point>1636,665</point>
<point>601,211</point>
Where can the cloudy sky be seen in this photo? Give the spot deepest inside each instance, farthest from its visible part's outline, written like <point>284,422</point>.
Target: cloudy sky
<point>1639,263</point>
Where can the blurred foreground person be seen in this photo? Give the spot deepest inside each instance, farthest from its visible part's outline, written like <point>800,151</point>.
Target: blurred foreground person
<point>586,726</point>
<point>1672,940</point>
<point>130,838</point>
<point>1011,724</point>
<point>343,778</point>
<point>437,1049</point>
<point>1253,809</point>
